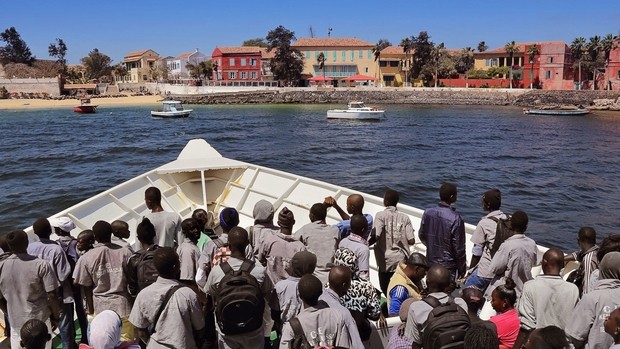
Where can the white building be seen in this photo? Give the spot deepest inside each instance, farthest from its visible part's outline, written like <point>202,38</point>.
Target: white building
<point>177,67</point>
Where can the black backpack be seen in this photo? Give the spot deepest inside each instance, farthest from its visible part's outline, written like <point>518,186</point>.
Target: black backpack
<point>146,273</point>
<point>502,232</point>
<point>446,325</point>
<point>238,300</point>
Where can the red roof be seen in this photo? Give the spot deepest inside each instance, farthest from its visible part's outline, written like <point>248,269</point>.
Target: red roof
<point>331,42</point>
<point>394,50</point>
<point>359,78</point>
<point>239,49</point>
<point>320,78</point>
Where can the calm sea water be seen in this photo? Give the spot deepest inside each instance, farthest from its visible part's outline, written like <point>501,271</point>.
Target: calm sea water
<point>563,171</point>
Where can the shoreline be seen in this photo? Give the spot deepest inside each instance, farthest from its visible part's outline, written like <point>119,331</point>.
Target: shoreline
<point>26,104</point>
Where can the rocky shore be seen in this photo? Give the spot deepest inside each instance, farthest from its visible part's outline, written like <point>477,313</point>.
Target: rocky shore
<point>600,100</point>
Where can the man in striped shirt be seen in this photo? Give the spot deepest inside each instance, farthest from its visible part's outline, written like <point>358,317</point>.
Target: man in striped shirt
<point>586,256</point>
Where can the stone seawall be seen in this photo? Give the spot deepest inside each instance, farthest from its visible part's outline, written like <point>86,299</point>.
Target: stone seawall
<point>413,96</point>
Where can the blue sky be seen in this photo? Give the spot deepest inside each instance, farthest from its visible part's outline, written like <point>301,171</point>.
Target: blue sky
<point>173,27</point>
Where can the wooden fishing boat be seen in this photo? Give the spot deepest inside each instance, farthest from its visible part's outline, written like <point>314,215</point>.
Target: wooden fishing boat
<point>85,107</point>
<point>201,177</point>
<point>558,112</point>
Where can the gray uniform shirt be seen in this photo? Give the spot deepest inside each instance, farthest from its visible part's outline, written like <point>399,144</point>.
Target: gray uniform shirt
<point>52,253</point>
<point>587,322</point>
<point>484,235</point>
<point>331,298</point>
<point>393,229</point>
<point>179,318</point>
<point>545,301</point>
<point>514,259</point>
<point>121,242</point>
<point>188,255</point>
<point>359,246</point>
<point>418,314</point>
<point>322,325</point>
<point>288,298</point>
<point>276,252</point>
<point>102,268</point>
<point>24,282</point>
<point>322,240</point>
<point>167,228</point>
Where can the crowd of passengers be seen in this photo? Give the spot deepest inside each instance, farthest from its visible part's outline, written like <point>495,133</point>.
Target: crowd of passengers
<point>206,282</point>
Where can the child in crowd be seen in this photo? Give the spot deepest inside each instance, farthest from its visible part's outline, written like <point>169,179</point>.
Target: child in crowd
<point>503,300</point>
<point>34,334</point>
<point>189,254</point>
<point>85,241</point>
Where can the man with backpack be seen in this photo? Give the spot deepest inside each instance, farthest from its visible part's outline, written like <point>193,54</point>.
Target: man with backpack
<point>238,288</point>
<point>437,319</point>
<point>483,239</point>
<point>140,268</point>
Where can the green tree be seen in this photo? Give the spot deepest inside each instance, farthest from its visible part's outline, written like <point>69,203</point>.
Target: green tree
<point>608,43</point>
<point>120,70</point>
<point>532,52</point>
<point>511,49</point>
<point>594,49</point>
<point>482,46</point>
<point>406,44</point>
<point>287,63</point>
<point>441,65</point>
<point>577,49</point>
<point>320,59</point>
<point>255,42</point>
<point>200,70</point>
<point>59,51</point>
<point>465,62</point>
<point>15,50</point>
<point>97,65</point>
<point>376,51</point>
<point>423,49</point>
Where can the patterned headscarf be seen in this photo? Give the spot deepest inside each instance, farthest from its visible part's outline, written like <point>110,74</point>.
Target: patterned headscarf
<point>347,258</point>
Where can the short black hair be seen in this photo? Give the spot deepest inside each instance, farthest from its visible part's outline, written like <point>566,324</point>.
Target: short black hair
<point>309,289</point>
<point>609,244</point>
<point>587,235</point>
<point>481,336</point>
<point>42,228</point>
<point>4,245</point>
<point>102,231</point>
<point>34,334</point>
<point>17,240</point>
<point>319,211</point>
<point>358,224</point>
<point>446,191</point>
<point>550,337</point>
<point>145,232</point>
<point>166,259</point>
<point>493,198</point>
<point>153,194</point>
<point>519,221</point>
<point>391,197</point>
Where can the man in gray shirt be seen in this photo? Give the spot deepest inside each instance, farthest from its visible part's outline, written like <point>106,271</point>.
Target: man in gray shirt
<point>358,244</point>
<point>167,224</point>
<point>181,319</point>
<point>321,324</point>
<point>289,302</point>
<point>320,239</point>
<point>28,288</point>
<point>100,272</point>
<point>120,232</point>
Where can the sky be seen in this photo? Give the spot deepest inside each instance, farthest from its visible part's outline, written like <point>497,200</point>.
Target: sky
<point>174,27</point>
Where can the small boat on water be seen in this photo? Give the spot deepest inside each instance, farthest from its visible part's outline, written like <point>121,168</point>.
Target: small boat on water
<point>171,109</point>
<point>201,177</point>
<point>356,111</point>
<point>580,111</point>
<point>85,107</point>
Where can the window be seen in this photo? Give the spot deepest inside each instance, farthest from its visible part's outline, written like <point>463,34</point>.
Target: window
<point>243,62</point>
<point>394,64</point>
<point>361,54</point>
<point>144,77</point>
<point>253,75</point>
<point>492,62</point>
<point>252,62</point>
<point>244,75</point>
<point>352,56</point>
<point>334,55</point>
<point>344,56</point>
<point>307,55</point>
<point>366,70</point>
<point>369,54</point>
<point>618,74</point>
<point>316,54</point>
<point>548,74</point>
<point>550,60</point>
<point>232,75</point>
<point>383,64</point>
<point>231,62</point>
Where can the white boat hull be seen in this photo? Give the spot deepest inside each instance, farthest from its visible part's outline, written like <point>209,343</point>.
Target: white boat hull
<point>202,178</point>
<point>556,111</point>
<point>169,114</point>
<point>355,115</point>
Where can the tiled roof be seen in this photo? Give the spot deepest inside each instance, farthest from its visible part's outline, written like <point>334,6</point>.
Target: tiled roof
<point>331,42</point>
<point>394,50</point>
<point>239,49</point>
<point>185,55</point>
<point>136,53</point>
<point>267,55</point>
<point>523,46</point>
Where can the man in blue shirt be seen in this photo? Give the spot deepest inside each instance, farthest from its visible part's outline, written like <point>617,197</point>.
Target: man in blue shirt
<point>442,231</point>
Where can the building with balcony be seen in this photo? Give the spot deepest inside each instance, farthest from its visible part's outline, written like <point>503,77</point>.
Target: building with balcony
<point>394,65</point>
<point>139,65</point>
<point>344,58</point>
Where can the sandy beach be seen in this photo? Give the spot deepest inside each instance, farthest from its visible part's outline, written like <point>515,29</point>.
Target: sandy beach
<point>68,103</point>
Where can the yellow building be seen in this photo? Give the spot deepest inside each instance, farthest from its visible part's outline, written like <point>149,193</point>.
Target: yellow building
<point>498,57</point>
<point>344,58</point>
<point>393,66</point>
<point>139,65</point>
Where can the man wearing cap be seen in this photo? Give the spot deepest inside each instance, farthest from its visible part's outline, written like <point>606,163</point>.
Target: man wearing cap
<point>263,224</point>
<point>406,282</point>
<point>483,238</point>
<point>278,248</point>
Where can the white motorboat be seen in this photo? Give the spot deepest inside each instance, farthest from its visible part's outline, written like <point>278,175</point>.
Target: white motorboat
<point>557,112</point>
<point>356,111</point>
<point>201,177</point>
<point>171,109</point>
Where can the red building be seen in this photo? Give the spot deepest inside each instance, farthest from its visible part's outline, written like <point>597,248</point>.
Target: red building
<point>612,71</point>
<point>241,63</point>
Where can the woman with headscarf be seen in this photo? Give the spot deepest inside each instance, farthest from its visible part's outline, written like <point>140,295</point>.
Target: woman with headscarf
<point>586,324</point>
<point>104,332</point>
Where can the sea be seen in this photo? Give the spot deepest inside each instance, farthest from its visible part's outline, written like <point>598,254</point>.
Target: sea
<point>564,171</point>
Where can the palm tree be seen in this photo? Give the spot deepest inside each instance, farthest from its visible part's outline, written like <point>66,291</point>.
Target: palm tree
<point>376,51</point>
<point>511,48</point>
<point>437,53</point>
<point>607,44</point>
<point>482,46</point>
<point>594,49</point>
<point>407,46</point>
<point>577,48</point>
<point>320,59</point>
<point>532,51</point>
